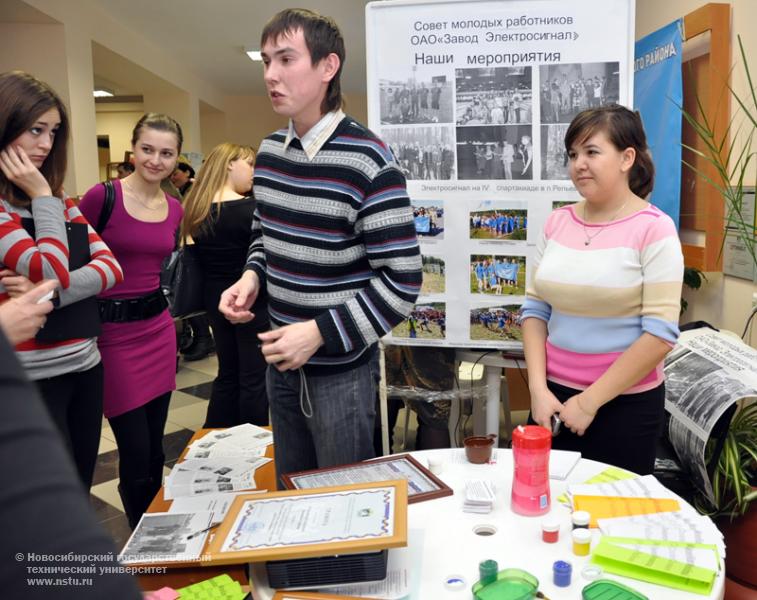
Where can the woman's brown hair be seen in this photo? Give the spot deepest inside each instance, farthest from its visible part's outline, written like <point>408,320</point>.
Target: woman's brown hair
<point>23,99</point>
<point>624,129</point>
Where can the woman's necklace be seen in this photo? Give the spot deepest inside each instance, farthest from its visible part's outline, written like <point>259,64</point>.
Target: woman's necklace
<point>588,237</point>
<point>140,201</point>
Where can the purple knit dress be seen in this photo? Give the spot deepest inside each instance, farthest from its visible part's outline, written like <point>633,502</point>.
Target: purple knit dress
<point>139,358</point>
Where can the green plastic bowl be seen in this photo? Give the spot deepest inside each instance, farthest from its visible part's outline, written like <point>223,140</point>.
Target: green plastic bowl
<point>604,589</point>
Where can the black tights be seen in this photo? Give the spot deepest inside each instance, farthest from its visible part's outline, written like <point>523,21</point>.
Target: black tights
<point>139,435</point>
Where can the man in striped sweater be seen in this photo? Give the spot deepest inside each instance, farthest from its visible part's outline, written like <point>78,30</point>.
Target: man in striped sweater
<point>333,240</point>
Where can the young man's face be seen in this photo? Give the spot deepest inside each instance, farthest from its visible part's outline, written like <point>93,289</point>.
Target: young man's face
<point>295,86</point>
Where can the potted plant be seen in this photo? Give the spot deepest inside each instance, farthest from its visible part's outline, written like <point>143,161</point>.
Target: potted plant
<point>735,475</point>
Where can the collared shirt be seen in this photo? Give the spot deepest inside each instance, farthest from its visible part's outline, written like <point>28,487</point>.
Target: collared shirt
<point>317,135</point>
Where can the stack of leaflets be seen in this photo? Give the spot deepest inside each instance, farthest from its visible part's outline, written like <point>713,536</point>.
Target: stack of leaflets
<point>206,476</point>
<point>479,496</point>
<point>164,537</point>
<point>241,441</point>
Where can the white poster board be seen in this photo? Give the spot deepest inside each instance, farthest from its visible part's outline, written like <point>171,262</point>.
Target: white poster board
<point>474,98</point>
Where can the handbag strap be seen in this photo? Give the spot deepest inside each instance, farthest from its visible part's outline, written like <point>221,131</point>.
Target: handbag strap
<point>107,207</point>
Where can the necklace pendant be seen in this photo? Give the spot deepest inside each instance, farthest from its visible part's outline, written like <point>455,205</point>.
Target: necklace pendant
<point>587,242</point>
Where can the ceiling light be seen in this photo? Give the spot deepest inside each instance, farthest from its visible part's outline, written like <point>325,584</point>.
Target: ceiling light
<point>102,93</point>
<point>254,55</point>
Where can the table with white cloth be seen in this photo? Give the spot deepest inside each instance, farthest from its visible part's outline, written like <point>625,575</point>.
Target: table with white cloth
<point>442,541</point>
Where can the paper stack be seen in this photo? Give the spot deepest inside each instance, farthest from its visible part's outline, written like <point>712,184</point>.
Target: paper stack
<point>479,496</point>
<point>241,441</point>
<point>648,533</point>
<point>205,476</point>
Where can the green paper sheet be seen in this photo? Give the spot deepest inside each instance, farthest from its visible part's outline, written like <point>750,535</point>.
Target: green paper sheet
<point>222,587</point>
<point>608,475</point>
<point>647,567</point>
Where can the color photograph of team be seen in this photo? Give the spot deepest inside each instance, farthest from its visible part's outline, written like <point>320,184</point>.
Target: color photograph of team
<point>498,224</point>
<point>427,321</point>
<point>429,219</point>
<point>422,152</point>
<point>433,275</point>
<point>415,101</point>
<point>566,90</point>
<point>498,275</point>
<point>493,96</point>
<point>496,323</point>
<point>494,152</point>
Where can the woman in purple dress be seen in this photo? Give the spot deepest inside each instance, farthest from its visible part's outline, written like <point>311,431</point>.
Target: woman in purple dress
<point>138,341</point>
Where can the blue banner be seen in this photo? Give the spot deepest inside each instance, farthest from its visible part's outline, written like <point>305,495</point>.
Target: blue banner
<point>422,224</point>
<point>506,270</point>
<point>658,96</point>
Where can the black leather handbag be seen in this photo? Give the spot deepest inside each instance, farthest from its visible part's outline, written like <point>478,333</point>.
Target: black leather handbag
<point>181,282</point>
<point>80,319</point>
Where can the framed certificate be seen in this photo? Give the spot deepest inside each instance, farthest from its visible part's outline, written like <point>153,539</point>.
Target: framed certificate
<point>344,519</point>
<point>422,484</point>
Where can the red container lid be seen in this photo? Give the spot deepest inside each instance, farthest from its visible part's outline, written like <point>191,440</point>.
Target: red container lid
<point>532,437</point>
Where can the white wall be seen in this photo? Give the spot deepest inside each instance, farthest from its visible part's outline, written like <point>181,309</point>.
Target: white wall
<point>723,301</point>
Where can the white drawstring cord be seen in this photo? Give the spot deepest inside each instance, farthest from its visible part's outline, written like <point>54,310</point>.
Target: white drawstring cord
<point>305,396</point>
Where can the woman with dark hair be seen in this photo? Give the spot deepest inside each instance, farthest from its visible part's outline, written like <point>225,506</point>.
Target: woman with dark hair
<point>218,216</point>
<point>43,236</point>
<point>602,306</point>
<point>138,341</point>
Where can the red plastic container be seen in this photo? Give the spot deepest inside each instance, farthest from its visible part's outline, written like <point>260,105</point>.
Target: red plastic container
<point>530,492</point>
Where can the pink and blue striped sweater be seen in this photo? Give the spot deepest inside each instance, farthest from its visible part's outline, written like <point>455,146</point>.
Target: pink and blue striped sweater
<point>598,299</point>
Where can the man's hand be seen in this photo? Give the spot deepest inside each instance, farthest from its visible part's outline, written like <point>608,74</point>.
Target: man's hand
<point>22,317</point>
<point>15,284</point>
<point>20,170</point>
<point>290,347</point>
<point>236,301</point>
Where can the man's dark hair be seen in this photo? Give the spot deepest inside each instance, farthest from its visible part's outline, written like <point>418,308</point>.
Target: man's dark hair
<point>126,166</point>
<point>187,168</point>
<point>322,37</point>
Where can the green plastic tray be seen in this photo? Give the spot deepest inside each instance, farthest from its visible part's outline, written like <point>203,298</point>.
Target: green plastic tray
<point>604,589</point>
<point>511,584</point>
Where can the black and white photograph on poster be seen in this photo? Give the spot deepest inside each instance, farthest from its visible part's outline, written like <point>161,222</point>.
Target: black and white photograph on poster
<point>499,224</point>
<point>489,96</point>
<point>427,321</point>
<point>496,323</point>
<point>495,152</point>
<point>415,99</point>
<point>498,275</point>
<point>429,219</point>
<point>566,90</point>
<point>554,156</point>
<point>690,449</point>
<point>433,275</point>
<point>422,152</point>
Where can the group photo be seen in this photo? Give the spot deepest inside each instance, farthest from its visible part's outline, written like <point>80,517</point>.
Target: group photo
<point>428,216</point>
<point>433,275</point>
<point>495,152</point>
<point>499,224</point>
<point>426,321</point>
<point>497,323</point>
<point>566,90</point>
<point>423,152</point>
<point>493,96</point>
<point>416,99</point>
<point>498,275</point>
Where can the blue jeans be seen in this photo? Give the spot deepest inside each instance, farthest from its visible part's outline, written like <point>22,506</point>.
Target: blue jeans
<point>340,430</point>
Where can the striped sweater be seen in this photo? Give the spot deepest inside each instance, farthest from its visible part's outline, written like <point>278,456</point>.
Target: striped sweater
<point>333,239</point>
<point>598,299</point>
<point>47,258</point>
